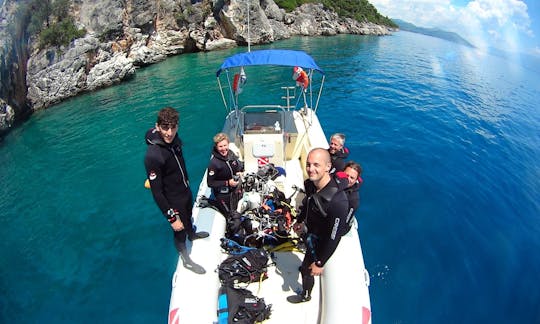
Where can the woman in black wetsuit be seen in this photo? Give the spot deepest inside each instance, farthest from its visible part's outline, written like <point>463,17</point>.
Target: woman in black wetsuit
<point>352,171</point>
<point>224,174</point>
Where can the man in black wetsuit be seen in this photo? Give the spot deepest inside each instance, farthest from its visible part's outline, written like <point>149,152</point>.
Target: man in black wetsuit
<point>338,152</point>
<point>322,219</point>
<point>166,170</point>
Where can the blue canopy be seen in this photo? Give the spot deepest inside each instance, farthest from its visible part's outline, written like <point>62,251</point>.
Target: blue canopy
<point>270,57</point>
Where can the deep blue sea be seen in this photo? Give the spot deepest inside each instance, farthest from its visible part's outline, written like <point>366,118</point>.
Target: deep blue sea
<point>449,139</point>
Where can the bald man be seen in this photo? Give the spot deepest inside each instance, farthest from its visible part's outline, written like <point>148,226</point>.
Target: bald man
<point>322,219</point>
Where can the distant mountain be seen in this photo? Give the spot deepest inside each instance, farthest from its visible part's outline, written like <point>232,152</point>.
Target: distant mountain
<point>434,32</point>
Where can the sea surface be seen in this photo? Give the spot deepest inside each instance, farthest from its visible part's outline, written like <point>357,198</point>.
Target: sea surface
<point>449,139</point>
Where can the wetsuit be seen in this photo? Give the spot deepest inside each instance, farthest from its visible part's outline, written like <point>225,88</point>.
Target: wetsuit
<point>338,159</point>
<point>220,170</point>
<point>354,200</point>
<point>166,170</point>
<point>324,214</point>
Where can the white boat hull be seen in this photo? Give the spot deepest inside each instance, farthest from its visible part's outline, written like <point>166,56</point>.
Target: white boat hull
<point>340,295</point>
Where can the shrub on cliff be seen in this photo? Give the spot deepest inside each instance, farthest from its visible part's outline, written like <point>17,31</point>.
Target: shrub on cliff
<point>290,5</point>
<point>360,10</point>
<point>60,33</point>
<point>50,21</point>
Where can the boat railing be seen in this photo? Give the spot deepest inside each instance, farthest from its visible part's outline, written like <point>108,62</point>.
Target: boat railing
<point>288,96</point>
<point>308,97</point>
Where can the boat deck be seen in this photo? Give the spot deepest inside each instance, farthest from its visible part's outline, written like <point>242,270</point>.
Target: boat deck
<point>280,137</point>
<point>284,280</point>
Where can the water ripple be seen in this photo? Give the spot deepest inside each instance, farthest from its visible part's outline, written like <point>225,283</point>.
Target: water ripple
<point>449,216</point>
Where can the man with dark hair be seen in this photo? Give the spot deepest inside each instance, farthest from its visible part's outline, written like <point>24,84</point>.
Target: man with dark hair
<point>167,174</point>
<point>322,219</point>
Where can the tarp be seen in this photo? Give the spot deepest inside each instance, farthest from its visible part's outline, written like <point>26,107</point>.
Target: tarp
<point>270,57</point>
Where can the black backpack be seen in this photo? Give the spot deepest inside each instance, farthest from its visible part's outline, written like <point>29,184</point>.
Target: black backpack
<point>238,227</point>
<point>247,267</point>
<point>239,305</point>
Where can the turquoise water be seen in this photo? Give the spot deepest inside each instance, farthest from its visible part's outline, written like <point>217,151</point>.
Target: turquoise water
<point>450,207</point>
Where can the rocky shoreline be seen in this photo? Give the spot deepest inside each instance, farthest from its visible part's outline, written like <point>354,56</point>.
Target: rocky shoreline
<point>122,37</point>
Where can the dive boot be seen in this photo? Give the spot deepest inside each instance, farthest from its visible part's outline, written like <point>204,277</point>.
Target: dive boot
<point>297,299</point>
<point>190,265</point>
<point>203,202</point>
<point>198,235</point>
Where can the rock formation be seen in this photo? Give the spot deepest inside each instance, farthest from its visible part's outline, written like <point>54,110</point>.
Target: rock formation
<point>7,116</point>
<point>124,35</point>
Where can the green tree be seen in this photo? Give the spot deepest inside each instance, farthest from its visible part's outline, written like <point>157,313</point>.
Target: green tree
<point>290,5</point>
<point>51,21</point>
<point>60,33</point>
<point>40,12</point>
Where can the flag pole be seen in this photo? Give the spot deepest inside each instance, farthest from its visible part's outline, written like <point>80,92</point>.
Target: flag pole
<point>249,41</point>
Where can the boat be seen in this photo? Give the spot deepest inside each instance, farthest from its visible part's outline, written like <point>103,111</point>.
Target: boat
<point>276,135</point>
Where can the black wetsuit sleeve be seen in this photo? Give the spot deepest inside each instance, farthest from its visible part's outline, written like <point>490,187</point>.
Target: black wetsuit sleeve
<point>337,222</point>
<point>154,163</point>
<point>339,164</point>
<point>215,174</point>
<point>303,211</point>
<point>354,198</point>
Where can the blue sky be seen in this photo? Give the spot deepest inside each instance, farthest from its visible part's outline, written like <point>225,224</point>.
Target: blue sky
<point>509,25</point>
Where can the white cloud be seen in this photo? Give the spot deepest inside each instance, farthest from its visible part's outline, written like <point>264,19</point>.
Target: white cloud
<point>496,23</point>
<point>500,23</point>
<point>425,13</point>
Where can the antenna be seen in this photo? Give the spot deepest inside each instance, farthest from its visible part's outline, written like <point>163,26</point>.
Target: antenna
<point>249,40</point>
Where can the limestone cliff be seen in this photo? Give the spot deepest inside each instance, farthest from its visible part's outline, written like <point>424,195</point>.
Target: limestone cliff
<point>124,35</point>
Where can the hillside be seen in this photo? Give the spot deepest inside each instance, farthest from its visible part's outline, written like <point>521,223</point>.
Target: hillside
<point>359,10</point>
<point>54,50</point>
<point>434,32</point>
